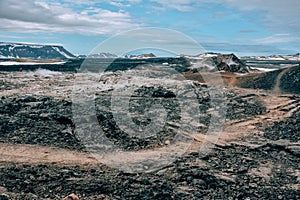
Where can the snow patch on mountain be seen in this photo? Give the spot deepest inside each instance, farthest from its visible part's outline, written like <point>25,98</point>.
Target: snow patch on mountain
<point>62,52</point>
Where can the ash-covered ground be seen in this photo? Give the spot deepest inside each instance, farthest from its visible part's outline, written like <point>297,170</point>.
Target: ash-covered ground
<point>45,154</point>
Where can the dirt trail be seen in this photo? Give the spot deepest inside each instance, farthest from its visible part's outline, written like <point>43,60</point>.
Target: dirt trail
<point>277,108</point>
<point>276,88</point>
<point>35,154</point>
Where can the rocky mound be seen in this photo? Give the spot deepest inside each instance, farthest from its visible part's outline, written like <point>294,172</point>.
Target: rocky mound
<point>230,63</point>
<point>218,62</point>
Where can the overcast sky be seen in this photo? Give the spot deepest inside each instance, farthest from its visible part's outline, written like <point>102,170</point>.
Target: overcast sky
<point>244,27</point>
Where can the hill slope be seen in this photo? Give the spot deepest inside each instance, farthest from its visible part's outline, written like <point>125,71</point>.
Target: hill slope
<point>280,81</point>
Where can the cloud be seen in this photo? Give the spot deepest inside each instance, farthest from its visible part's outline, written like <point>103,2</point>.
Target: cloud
<point>278,38</point>
<point>117,3</point>
<point>275,14</point>
<point>180,5</point>
<point>34,16</point>
<point>123,3</point>
<point>81,2</point>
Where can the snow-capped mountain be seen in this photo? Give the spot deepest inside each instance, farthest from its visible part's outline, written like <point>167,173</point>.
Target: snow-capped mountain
<point>33,51</point>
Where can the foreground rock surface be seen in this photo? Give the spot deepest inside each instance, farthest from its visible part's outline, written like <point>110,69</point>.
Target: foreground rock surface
<point>256,156</point>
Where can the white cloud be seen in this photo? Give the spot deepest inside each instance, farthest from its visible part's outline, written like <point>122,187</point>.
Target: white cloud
<point>280,18</point>
<point>275,14</point>
<point>180,5</point>
<point>81,2</point>
<point>278,38</point>
<point>117,3</point>
<point>33,16</point>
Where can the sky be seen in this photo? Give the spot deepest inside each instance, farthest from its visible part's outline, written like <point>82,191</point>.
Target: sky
<point>243,27</point>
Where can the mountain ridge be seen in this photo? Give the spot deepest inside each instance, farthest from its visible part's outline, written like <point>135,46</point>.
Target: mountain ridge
<point>12,50</point>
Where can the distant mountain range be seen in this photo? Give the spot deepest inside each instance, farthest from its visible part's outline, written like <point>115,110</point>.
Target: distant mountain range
<point>142,56</point>
<point>10,50</point>
<point>295,57</point>
<point>33,51</point>
<point>102,55</point>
